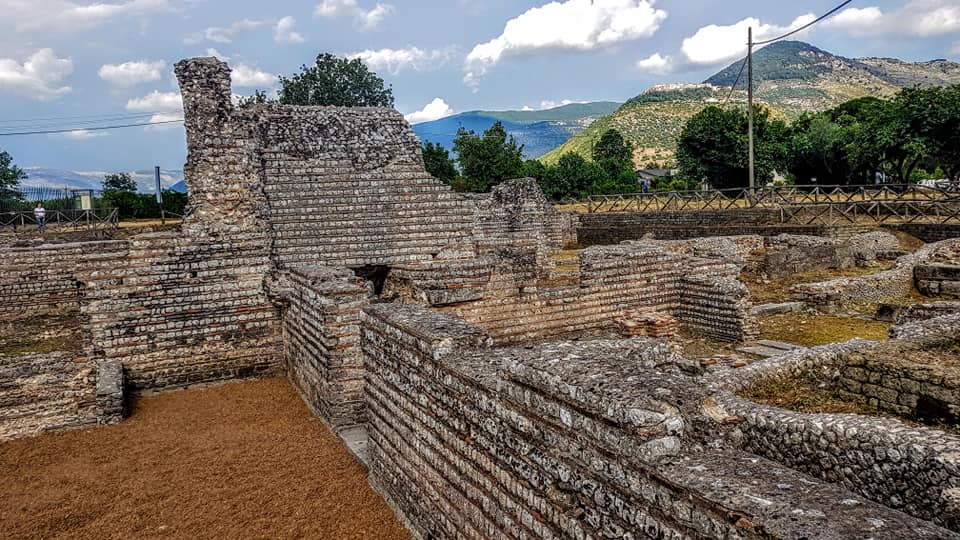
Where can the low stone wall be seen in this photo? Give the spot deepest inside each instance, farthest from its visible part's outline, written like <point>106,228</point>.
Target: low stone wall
<point>897,379</point>
<point>45,277</point>
<point>178,311</point>
<point>938,280</point>
<point>716,306</point>
<point>929,232</point>
<point>46,392</point>
<point>606,228</point>
<point>912,469</point>
<point>321,328</point>
<point>580,440</point>
<point>791,254</point>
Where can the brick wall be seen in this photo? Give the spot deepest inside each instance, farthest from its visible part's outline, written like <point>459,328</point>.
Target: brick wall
<point>45,392</point>
<point>578,440</point>
<point>929,232</point>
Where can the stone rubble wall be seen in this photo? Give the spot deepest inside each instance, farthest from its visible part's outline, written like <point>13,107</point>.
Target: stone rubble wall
<point>321,329</point>
<point>46,392</point>
<point>929,330</point>
<point>938,280</point>
<point>910,469</point>
<point>922,312</point>
<point>576,440</point>
<point>791,254</point>
<point>878,287</point>
<point>35,279</point>
<point>928,232</point>
<point>178,311</point>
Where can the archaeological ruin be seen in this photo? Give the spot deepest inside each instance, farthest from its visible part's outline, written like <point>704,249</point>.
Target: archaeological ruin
<point>505,368</point>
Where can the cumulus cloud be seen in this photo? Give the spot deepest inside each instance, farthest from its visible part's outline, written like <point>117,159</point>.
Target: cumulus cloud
<point>37,77</point>
<point>249,77</point>
<point>82,134</point>
<point>226,34</point>
<point>217,54</point>
<point>917,18</point>
<point>366,19</point>
<point>67,15</point>
<point>396,60</point>
<point>551,104</point>
<point>283,31</point>
<point>434,110</point>
<point>655,64</point>
<point>131,73</point>
<point>570,25</point>
<point>157,101</point>
<point>715,44</point>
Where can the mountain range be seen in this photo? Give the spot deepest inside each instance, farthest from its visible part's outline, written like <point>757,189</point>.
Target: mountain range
<point>538,131</point>
<point>60,178</point>
<point>791,77</point>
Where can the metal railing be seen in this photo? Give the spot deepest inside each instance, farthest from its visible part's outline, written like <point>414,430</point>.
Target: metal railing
<point>61,220</point>
<point>801,204</point>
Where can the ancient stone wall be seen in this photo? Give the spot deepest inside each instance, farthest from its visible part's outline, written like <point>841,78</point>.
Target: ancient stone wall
<point>45,392</point>
<point>178,311</point>
<point>912,469</point>
<point>321,328</point>
<point>929,232</point>
<point>589,439</point>
<point>39,278</point>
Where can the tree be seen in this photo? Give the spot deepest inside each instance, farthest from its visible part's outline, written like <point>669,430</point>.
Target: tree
<point>817,150</point>
<point>488,159</point>
<point>612,146</point>
<point>10,176</point>
<point>438,163</point>
<point>119,182</point>
<point>259,97</point>
<point>713,147</point>
<point>339,82</point>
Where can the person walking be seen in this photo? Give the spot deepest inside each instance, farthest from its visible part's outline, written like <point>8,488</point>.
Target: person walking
<point>40,214</point>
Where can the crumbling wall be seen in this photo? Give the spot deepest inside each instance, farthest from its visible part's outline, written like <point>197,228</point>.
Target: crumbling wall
<point>580,440</point>
<point>791,254</point>
<point>178,311</point>
<point>916,470</point>
<point>321,328</point>
<point>45,392</point>
<point>38,278</point>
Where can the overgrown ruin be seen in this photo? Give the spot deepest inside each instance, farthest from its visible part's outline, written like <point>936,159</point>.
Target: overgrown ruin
<point>508,382</point>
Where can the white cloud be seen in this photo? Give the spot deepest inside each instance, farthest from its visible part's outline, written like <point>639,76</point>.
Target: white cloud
<point>397,60</point>
<point>66,15</point>
<point>714,44</point>
<point>131,73</point>
<point>157,101</point>
<point>165,121</point>
<point>366,19</point>
<point>283,31</point>
<point>551,104</point>
<point>434,110</point>
<point>917,18</point>
<point>217,54</point>
<point>249,77</point>
<point>82,134</point>
<point>37,77</point>
<point>655,64</point>
<point>226,34</point>
<point>570,25</point>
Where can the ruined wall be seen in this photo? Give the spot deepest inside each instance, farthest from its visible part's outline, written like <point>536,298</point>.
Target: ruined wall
<point>178,311</point>
<point>929,232</point>
<point>591,439</point>
<point>321,328</point>
<point>39,278</point>
<point>916,470</point>
<point>45,392</point>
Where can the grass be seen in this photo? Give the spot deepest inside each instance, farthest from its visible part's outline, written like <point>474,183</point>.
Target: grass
<point>806,394</point>
<point>40,334</point>
<point>812,329</point>
<point>777,288</point>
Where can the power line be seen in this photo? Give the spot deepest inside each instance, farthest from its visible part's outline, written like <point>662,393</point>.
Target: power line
<point>99,128</point>
<point>804,27</point>
<point>85,118</point>
<point>736,82</point>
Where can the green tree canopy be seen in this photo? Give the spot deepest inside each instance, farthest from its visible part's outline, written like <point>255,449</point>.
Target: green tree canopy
<point>713,147</point>
<point>438,163</point>
<point>612,146</point>
<point>335,81</point>
<point>10,175</point>
<point>119,182</point>
<point>488,159</point>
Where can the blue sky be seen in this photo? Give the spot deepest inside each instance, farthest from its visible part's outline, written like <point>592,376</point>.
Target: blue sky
<point>70,58</point>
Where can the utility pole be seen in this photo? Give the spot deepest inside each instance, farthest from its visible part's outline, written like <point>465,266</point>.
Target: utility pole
<point>156,177</point>
<point>750,104</point>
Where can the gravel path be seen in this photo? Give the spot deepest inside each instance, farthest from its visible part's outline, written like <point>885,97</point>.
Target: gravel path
<point>243,460</point>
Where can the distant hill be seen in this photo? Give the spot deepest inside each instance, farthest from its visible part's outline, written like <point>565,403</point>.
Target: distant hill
<point>59,178</point>
<point>538,131</point>
<point>791,77</point>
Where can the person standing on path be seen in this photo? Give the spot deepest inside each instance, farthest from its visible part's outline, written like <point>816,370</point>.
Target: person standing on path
<point>40,214</point>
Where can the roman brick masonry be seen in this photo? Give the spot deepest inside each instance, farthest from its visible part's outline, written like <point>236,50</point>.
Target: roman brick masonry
<point>458,332</point>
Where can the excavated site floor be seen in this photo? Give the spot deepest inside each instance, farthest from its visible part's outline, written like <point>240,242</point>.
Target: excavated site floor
<point>242,460</point>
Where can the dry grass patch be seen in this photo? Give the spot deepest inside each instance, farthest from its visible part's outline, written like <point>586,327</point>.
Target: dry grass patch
<point>777,289</point>
<point>806,394</point>
<point>812,329</point>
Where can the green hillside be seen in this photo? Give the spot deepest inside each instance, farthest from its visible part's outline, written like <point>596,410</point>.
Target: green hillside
<point>791,77</point>
<point>570,113</point>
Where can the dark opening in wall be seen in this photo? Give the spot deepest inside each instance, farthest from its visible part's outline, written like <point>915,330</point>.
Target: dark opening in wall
<point>376,274</point>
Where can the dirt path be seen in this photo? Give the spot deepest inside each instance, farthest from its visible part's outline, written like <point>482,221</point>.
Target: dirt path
<point>244,460</point>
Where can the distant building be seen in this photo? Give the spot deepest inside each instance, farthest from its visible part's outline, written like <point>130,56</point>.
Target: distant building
<point>654,176</point>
